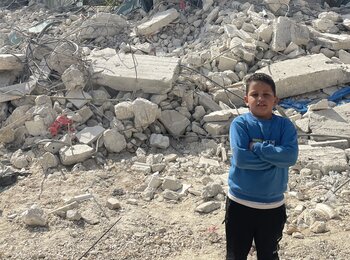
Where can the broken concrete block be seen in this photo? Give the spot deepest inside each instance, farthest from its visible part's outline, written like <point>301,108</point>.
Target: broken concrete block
<point>157,22</point>
<point>233,95</point>
<point>286,31</point>
<point>264,32</point>
<point>124,110</point>
<point>208,162</point>
<point>159,141</point>
<point>197,128</point>
<point>333,41</point>
<point>171,184</point>
<point>226,63</point>
<point>34,216</point>
<point>275,6</point>
<point>199,112</point>
<point>127,72</point>
<point>207,101</point>
<point>11,62</point>
<point>341,144</point>
<point>333,16</point>
<point>208,207</point>
<point>63,56</point>
<point>211,190</point>
<point>90,134</point>
<point>326,160</point>
<point>170,195</point>
<point>16,91</point>
<point>102,24</point>
<point>75,154</point>
<point>344,56</point>
<point>73,215</point>
<point>113,203</point>
<point>222,115</point>
<point>142,167</point>
<point>114,141</point>
<point>174,122</point>
<point>145,112</point>
<point>36,127</point>
<point>73,78</point>
<point>85,113</point>
<point>217,128</point>
<point>19,159</point>
<point>48,160</point>
<point>324,25</point>
<point>155,181</point>
<point>306,74</point>
<point>78,97</point>
<point>320,105</point>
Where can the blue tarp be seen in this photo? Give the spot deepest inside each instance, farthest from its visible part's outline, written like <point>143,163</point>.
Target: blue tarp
<point>301,105</point>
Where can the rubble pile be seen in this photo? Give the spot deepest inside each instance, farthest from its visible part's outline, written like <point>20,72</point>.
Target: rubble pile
<point>85,85</point>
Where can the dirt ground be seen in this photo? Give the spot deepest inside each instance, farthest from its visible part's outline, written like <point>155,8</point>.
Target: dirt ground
<point>155,229</point>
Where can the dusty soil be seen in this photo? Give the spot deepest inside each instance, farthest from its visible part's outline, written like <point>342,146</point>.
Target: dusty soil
<point>156,229</point>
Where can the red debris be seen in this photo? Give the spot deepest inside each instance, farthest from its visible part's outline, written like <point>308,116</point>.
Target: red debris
<point>59,123</point>
<point>182,5</point>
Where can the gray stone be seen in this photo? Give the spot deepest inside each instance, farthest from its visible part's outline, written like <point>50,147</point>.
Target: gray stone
<point>155,181</point>
<point>102,24</point>
<point>63,56</point>
<point>344,56</point>
<point>341,144</point>
<point>217,128</point>
<point>158,21</point>
<point>73,215</point>
<point>222,115</point>
<point>90,134</point>
<point>275,6</point>
<point>114,141</point>
<point>171,195</point>
<point>326,160</point>
<point>171,184</point>
<point>142,167</point>
<point>208,206</point>
<point>306,74</point>
<point>333,41</point>
<point>124,110</point>
<point>11,62</point>
<point>264,32</point>
<point>48,160</point>
<point>145,112</point>
<point>75,154</point>
<point>19,159</point>
<point>199,112</point>
<point>73,78</point>
<point>34,216</point>
<point>159,141</point>
<point>174,122</point>
<point>16,91</point>
<point>207,101</point>
<point>211,190</point>
<point>208,162</point>
<point>78,97</point>
<point>153,74</point>
<point>196,128</point>
<point>113,203</point>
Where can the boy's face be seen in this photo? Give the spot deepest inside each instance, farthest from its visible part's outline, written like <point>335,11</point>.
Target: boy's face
<point>260,99</point>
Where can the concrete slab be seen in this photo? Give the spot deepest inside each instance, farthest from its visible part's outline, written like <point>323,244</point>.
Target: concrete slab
<point>16,91</point>
<point>325,159</point>
<point>306,74</point>
<point>127,72</point>
<point>334,41</point>
<point>82,97</point>
<point>11,62</point>
<point>90,134</point>
<point>157,22</point>
<point>75,154</point>
<point>341,144</point>
<point>174,122</point>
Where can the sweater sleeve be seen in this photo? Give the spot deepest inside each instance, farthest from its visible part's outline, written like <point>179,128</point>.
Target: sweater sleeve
<point>241,155</point>
<point>283,155</point>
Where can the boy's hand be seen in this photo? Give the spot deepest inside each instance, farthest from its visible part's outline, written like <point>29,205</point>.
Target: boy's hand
<point>251,145</point>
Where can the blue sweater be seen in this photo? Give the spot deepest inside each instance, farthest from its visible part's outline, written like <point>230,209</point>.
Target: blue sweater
<point>261,175</point>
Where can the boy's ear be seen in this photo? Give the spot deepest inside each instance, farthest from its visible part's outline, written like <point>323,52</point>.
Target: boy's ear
<point>246,100</point>
<point>277,100</point>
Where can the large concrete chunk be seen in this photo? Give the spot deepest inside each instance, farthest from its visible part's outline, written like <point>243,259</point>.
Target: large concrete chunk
<point>334,41</point>
<point>145,112</point>
<point>75,154</point>
<point>306,74</point>
<point>128,72</point>
<point>174,122</point>
<point>157,22</point>
<point>16,91</point>
<point>287,31</point>
<point>102,24</point>
<point>11,62</point>
<point>90,134</point>
<point>325,159</point>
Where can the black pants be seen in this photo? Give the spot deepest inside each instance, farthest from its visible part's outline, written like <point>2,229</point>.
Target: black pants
<point>243,224</point>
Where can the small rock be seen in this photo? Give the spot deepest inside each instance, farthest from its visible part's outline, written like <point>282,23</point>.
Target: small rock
<point>318,227</point>
<point>113,203</point>
<point>159,141</point>
<point>297,235</point>
<point>73,215</point>
<point>170,195</point>
<point>34,216</point>
<point>171,184</point>
<point>208,207</point>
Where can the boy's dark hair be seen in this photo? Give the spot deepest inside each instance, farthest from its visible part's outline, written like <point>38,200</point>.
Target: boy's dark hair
<point>260,77</point>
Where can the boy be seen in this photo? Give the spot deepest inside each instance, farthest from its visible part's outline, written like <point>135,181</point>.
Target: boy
<point>263,145</point>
